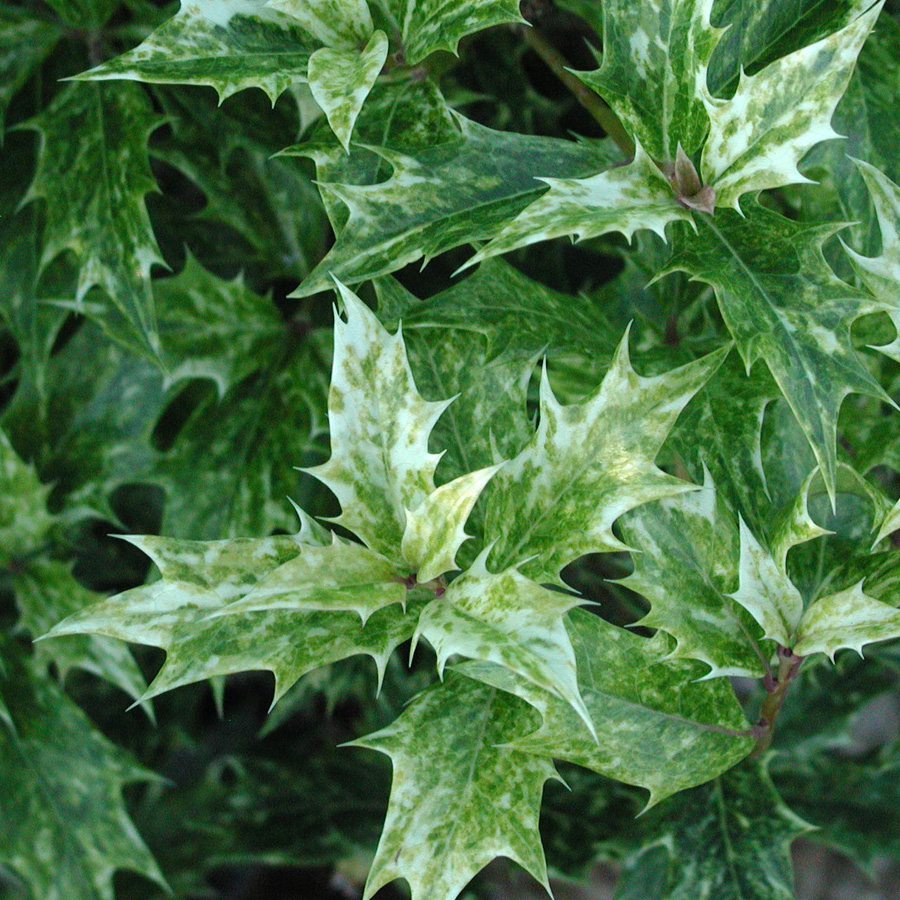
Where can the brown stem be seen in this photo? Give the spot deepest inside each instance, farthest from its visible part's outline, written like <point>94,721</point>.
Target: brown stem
<point>776,686</point>
<point>557,64</point>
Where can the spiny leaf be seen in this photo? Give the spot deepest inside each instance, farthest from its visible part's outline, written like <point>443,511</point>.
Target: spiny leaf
<point>687,565</point>
<point>229,45</point>
<point>336,23</point>
<point>24,520</point>
<point>758,136</point>
<point>340,81</point>
<point>94,193</point>
<point>658,727</point>
<point>624,199</point>
<point>586,465</point>
<point>438,196</point>
<point>431,25</point>
<point>654,54</point>
<point>446,822</point>
<point>25,42</point>
<point>65,828</point>
<point>508,620</point>
<point>783,304</point>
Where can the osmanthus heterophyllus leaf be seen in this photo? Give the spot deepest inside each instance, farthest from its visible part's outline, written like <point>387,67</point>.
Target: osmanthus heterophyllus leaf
<point>290,604</point>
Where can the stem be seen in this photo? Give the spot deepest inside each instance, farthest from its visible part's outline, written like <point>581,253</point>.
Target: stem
<point>557,64</point>
<point>777,686</point>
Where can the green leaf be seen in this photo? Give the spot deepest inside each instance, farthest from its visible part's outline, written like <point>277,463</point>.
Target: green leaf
<point>340,81</point>
<point>229,45</point>
<point>658,726</point>
<point>586,465</point>
<point>439,195</point>
<point>445,823</point>
<point>654,56</point>
<point>83,13</point>
<point>431,25</point>
<point>25,42</point>
<point>758,136</point>
<point>336,23</point>
<point>623,198</point>
<point>729,840</point>
<point>94,191</point>
<point>65,828</point>
<point>24,520</point>
<point>508,620</point>
<point>687,566</point>
<point>783,304</point>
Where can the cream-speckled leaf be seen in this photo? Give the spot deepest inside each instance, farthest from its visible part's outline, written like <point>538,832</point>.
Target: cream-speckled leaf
<point>758,136</point>
<point>654,55</point>
<point>183,613</point>
<point>379,425</point>
<point>658,726</point>
<point>430,25</point>
<point>440,194</point>
<point>586,465</point>
<point>446,821</point>
<point>339,576</point>
<point>766,592</point>
<point>508,620</point>
<point>623,199</point>
<point>783,304</point>
<point>336,23</point>
<point>881,274</point>
<point>435,529</point>
<point>687,566</point>
<point>94,189</point>
<point>24,520</point>
<point>794,525</point>
<point>64,825</point>
<point>847,619</point>
<point>889,524</point>
<point>340,81</point>
<point>226,44</point>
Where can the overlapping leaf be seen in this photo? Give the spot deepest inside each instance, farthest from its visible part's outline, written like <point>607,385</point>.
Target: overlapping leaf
<point>446,822</point>
<point>64,825</point>
<point>657,726</point>
<point>783,304</point>
<point>586,465</point>
<point>94,189</point>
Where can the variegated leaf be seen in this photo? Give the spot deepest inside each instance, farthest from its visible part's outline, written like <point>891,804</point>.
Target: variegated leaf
<point>847,619</point>
<point>881,273</point>
<point>340,81</point>
<point>65,828</point>
<point>889,524</point>
<point>658,727</point>
<point>336,23</point>
<point>446,822</point>
<point>687,566</point>
<point>783,304</point>
<point>379,424</point>
<point>508,620</point>
<point>25,42</point>
<point>439,195</point>
<point>586,465</point>
<point>654,56</point>
<point>623,199</point>
<point>82,181</point>
<point>24,520</point>
<point>766,592</point>
<point>758,136</point>
<point>226,44</point>
<point>430,25</point>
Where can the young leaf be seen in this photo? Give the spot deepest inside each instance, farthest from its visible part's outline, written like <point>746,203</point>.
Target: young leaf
<point>65,828</point>
<point>783,304</point>
<point>94,193</point>
<point>229,45</point>
<point>654,55</point>
<point>624,199</point>
<point>508,620</point>
<point>586,465</point>
<point>657,726</point>
<point>758,136</point>
<point>446,822</point>
<point>340,81</point>
<point>687,566</point>
<point>438,196</point>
